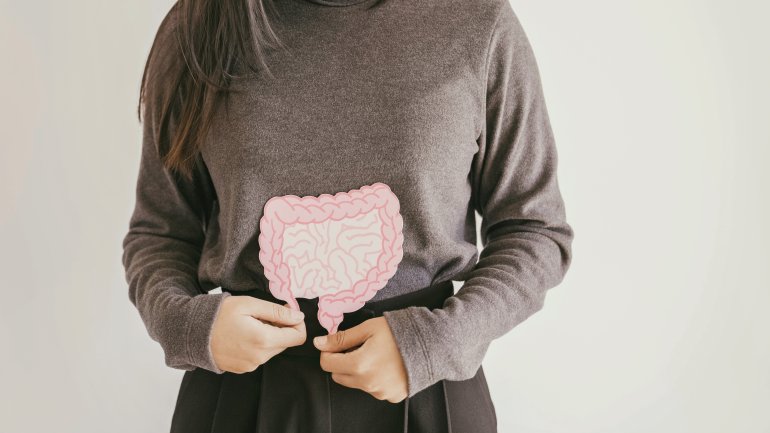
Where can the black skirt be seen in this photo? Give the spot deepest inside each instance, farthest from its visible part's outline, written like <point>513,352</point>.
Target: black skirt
<point>300,397</point>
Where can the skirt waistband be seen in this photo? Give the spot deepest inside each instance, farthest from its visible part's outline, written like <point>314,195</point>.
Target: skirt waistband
<point>432,296</point>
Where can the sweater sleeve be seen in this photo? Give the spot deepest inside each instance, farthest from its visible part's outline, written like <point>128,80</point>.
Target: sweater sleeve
<point>162,248</point>
<point>527,243</point>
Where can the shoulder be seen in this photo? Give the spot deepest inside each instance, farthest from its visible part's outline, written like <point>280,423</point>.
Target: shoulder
<point>165,45</point>
<point>162,65</point>
<point>507,35</point>
<point>478,14</point>
<point>482,21</point>
<point>500,20</point>
<point>168,24</point>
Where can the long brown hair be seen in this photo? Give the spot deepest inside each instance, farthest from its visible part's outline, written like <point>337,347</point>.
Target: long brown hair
<point>192,80</point>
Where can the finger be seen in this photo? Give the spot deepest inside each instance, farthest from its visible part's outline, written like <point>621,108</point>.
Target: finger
<point>282,336</point>
<point>267,354</point>
<point>344,339</point>
<point>346,380</point>
<point>271,312</point>
<point>345,363</point>
<point>293,312</point>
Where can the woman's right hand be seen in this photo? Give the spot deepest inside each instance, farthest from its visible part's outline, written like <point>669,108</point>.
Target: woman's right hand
<point>248,331</point>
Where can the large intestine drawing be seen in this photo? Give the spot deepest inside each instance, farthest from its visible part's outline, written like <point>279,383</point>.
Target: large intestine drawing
<point>341,248</point>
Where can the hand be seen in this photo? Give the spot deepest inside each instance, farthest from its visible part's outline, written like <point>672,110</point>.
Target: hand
<point>248,331</point>
<point>375,366</point>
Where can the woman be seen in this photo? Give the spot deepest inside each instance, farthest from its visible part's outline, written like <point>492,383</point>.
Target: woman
<point>441,101</point>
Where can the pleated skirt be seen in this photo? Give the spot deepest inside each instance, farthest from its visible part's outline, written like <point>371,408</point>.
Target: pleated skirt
<point>290,393</point>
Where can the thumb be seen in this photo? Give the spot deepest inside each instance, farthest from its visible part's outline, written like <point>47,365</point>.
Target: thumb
<point>342,340</point>
<point>273,313</point>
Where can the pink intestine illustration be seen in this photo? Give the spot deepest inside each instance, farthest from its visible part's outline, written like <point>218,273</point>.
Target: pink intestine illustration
<point>341,248</point>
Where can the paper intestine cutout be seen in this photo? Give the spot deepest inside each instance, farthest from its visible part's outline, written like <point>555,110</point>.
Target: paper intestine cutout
<point>341,248</point>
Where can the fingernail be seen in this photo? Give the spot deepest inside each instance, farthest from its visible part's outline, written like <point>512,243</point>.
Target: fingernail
<point>320,340</point>
<point>297,315</point>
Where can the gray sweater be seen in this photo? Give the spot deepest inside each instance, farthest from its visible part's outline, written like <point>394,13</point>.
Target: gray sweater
<point>439,99</point>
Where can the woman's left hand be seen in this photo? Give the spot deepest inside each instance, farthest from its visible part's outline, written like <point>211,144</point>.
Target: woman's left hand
<point>375,366</point>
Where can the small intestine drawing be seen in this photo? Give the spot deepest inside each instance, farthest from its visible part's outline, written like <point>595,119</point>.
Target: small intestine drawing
<point>340,248</point>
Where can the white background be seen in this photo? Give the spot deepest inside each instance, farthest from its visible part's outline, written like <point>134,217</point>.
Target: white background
<point>660,109</point>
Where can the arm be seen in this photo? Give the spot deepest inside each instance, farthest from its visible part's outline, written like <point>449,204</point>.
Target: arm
<point>163,246</point>
<point>526,239</point>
